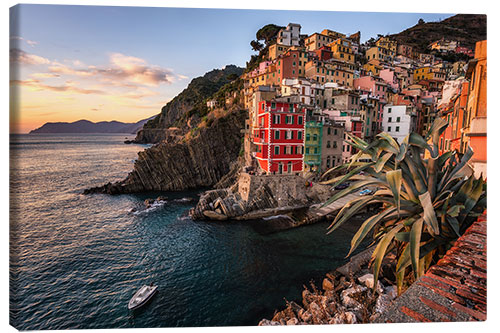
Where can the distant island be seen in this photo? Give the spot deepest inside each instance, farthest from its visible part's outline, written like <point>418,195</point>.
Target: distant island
<point>86,126</point>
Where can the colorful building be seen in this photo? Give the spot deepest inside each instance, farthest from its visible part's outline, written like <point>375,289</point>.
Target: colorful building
<point>313,145</point>
<point>475,125</point>
<point>399,121</point>
<point>290,35</point>
<point>332,142</point>
<point>342,50</point>
<point>279,137</point>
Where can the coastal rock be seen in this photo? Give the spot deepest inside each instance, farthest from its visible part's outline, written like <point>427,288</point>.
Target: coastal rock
<point>293,321</point>
<point>327,284</point>
<point>267,322</point>
<point>347,298</point>
<point>368,281</point>
<point>199,162</point>
<point>213,215</point>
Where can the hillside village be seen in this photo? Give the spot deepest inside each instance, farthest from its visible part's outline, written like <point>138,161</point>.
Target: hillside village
<point>310,92</point>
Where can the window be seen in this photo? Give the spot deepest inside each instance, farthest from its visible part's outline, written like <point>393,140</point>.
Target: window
<point>389,120</point>
<point>399,119</point>
<point>299,135</point>
<point>276,150</point>
<point>315,137</point>
<point>291,107</point>
<point>277,135</point>
<point>307,150</point>
<point>397,128</point>
<point>308,137</point>
<point>300,120</point>
<point>329,130</point>
<point>335,131</point>
<point>334,144</point>
<point>276,119</point>
<point>389,110</point>
<point>389,129</point>
<point>328,144</point>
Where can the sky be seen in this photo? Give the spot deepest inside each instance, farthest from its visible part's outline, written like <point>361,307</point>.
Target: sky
<point>124,63</point>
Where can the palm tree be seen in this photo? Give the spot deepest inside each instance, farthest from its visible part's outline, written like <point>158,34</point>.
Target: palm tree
<point>427,203</point>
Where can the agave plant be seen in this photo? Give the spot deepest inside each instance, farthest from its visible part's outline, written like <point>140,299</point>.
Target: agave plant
<point>427,200</point>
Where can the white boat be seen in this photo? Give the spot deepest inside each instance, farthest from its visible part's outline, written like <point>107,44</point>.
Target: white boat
<point>142,296</point>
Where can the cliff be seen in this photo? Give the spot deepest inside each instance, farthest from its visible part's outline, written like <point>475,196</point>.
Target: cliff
<point>464,28</point>
<point>200,160</point>
<point>190,102</point>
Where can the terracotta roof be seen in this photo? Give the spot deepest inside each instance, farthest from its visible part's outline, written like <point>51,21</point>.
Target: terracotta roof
<point>452,290</point>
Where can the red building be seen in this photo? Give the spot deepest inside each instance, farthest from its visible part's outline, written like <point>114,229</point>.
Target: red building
<point>279,137</point>
<point>290,66</point>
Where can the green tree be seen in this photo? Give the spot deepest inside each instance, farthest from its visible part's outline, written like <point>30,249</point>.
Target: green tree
<point>426,203</point>
<point>268,33</point>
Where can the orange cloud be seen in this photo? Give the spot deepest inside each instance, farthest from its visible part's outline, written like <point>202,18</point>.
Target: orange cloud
<point>68,87</point>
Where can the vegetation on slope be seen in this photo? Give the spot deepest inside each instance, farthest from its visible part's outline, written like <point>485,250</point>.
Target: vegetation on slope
<point>464,28</point>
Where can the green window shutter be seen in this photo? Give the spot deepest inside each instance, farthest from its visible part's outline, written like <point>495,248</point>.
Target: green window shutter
<point>276,150</point>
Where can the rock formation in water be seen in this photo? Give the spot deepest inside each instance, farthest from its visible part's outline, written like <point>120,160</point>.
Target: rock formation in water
<point>199,161</point>
<point>86,126</point>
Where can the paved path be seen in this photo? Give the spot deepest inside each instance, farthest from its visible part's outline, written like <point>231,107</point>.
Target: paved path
<point>334,206</point>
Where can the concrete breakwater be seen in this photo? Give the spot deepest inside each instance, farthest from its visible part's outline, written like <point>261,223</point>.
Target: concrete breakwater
<point>262,197</point>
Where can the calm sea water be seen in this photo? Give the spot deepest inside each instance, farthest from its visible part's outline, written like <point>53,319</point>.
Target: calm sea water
<point>76,260</point>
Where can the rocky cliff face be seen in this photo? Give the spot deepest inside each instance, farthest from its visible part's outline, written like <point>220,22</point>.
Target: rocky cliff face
<point>198,162</point>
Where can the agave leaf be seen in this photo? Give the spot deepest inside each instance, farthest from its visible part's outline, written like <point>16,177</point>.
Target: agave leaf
<point>349,190</point>
<point>455,210</point>
<point>459,167</point>
<point>429,213</point>
<point>415,234</point>
<point>403,237</point>
<point>416,139</point>
<point>379,253</point>
<point>441,160</point>
<point>379,165</point>
<point>394,180</point>
<point>455,226</point>
<point>385,136</point>
<point>366,227</point>
<point>341,179</point>
<point>417,178</point>
<point>476,192</point>
<point>344,215</point>
<point>436,129</point>
<point>402,152</point>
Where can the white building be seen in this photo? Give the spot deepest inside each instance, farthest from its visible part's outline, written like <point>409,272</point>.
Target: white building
<point>399,121</point>
<point>290,36</point>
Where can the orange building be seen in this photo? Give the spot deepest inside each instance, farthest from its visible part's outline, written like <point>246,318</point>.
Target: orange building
<point>475,125</point>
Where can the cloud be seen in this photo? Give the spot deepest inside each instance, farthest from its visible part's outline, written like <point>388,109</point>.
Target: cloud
<point>44,75</point>
<point>24,58</point>
<point>123,70</point>
<point>69,86</point>
<point>29,42</point>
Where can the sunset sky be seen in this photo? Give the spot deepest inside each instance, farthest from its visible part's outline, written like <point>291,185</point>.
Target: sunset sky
<point>125,63</point>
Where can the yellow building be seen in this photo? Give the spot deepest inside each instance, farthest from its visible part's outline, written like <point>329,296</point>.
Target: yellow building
<point>324,72</point>
<point>380,53</point>
<point>373,66</point>
<point>388,44</point>
<point>316,41</point>
<point>333,34</point>
<point>275,50</point>
<point>341,49</point>
<point>429,73</point>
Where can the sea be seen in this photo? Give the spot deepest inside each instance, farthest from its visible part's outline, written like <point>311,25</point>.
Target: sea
<point>76,260</point>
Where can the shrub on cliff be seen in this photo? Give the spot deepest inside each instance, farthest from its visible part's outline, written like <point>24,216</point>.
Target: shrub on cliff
<point>427,203</point>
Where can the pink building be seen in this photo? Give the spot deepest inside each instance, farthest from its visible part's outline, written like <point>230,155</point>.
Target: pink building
<point>389,77</point>
<point>375,85</point>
